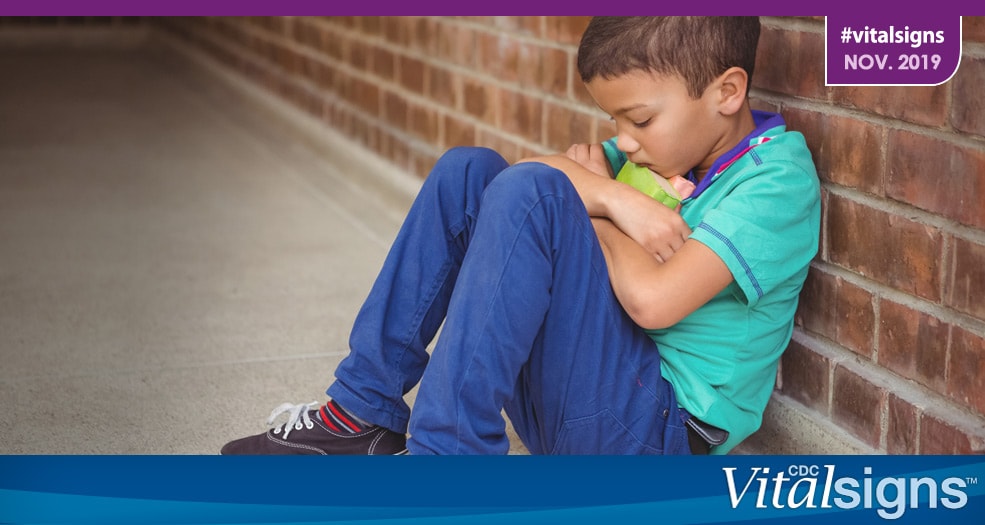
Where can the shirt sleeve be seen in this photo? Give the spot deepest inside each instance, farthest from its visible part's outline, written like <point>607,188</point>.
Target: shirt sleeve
<point>766,229</point>
<point>615,157</point>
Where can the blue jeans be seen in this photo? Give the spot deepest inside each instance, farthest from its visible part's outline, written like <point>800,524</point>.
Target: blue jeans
<point>508,259</point>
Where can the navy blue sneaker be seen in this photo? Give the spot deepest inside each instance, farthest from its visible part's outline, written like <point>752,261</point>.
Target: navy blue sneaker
<point>314,429</point>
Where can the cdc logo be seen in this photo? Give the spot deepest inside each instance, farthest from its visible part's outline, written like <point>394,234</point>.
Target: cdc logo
<point>818,486</point>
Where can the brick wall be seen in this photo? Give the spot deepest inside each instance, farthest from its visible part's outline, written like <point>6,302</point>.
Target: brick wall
<point>890,332</point>
<point>409,88</point>
<point>890,338</point>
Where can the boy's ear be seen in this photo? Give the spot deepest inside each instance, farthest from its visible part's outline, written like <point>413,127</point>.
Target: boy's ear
<point>733,87</point>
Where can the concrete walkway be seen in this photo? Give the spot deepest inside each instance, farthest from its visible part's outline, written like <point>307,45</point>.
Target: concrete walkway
<point>176,256</point>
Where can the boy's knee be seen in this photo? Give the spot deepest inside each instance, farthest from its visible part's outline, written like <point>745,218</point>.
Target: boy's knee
<point>463,157</point>
<point>464,167</point>
<point>531,179</point>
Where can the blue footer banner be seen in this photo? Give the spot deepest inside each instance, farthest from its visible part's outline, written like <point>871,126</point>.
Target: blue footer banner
<point>512,489</point>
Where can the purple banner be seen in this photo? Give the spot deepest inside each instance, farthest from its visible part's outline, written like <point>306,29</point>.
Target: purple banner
<point>921,49</point>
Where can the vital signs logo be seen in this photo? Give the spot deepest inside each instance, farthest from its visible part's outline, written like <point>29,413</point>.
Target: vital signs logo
<point>819,487</point>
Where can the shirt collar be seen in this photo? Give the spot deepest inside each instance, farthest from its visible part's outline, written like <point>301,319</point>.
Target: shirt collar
<point>764,121</point>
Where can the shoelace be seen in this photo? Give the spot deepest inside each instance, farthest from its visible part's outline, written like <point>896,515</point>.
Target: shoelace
<point>297,417</point>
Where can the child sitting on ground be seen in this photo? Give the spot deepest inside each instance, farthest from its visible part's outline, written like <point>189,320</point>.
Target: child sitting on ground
<point>601,321</point>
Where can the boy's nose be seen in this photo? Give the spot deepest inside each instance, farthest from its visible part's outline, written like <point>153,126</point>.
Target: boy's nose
<point>626,144</point>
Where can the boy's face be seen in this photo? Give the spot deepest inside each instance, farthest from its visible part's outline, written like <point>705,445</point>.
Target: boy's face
<point>659,125</point>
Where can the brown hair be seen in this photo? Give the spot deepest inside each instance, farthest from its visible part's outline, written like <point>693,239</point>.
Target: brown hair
<point>696,48</point>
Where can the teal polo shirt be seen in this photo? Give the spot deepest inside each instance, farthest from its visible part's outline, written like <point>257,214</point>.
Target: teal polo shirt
<point>759,210</point>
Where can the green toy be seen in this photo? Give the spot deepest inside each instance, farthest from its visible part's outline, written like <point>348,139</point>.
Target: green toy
<point>650,184</point>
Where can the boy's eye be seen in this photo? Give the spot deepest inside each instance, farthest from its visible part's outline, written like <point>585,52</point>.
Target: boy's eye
<point>642,124</point>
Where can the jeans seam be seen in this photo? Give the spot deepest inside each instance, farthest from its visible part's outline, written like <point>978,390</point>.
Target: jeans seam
<point>499,284</point>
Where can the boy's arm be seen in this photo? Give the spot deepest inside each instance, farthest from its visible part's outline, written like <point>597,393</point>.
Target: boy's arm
<point>658,229</point>
<point>659,294</point>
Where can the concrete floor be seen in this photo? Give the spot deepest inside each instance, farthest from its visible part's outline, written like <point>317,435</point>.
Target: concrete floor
<point>177,257</point>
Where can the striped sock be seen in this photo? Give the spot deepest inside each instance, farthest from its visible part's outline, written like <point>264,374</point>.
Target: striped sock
<point>341,420</point>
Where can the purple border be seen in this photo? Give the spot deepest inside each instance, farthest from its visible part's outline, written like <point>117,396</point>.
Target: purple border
<point>398,7</point>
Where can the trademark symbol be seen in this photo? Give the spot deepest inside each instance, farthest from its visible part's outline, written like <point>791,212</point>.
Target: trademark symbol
<point>971,481</point>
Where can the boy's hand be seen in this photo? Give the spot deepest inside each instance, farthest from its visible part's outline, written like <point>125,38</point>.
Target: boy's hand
<point>592,157</point>
<point>658,229</point>
<point>658,295</point>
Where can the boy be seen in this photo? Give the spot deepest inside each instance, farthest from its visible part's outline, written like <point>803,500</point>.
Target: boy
<point>602,321</point>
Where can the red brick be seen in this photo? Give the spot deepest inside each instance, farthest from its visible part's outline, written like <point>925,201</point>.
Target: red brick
<point>886,247</point>
<point>288,59</point>
<point>523,25</point>
<point>902,431</point>
<point>499,55</point>
<point>458,132</point>
<point>580,94</point>
<point>422,162</point>
<point>838,310</point>
<point>791,62</point>
<point>941,437</point>
<point>812,125</point>
<point>565,29</point>
<point>359,54</point>
<point>529,66</point>
<point>273,24</point>
<point>968,106</point>
<point>397,151</point>
<point>851,152</point>
<point>966,373</point>
<point>307,33</point>
<point>492,139</point>
<point>521,115</point>
<point>455,44</point>
<point>342,85</point>
<point>766,105</point>
<point>555,68</point>
<point>913,344</point>
<point>366,96</point>
<point>423,35</point>
<point>422,122</point>
<point>370,25</point>
<point>444,87</point>
<point>857,405</point>
<point>565,127</point>
<point>925,105</point>
<point>384,63</point>
<point>411,73</point>
<point>606,130</point>
<point>479,99</point>
<point>395,110</point>
<point>973,28</point>
<point>528,151</point>
<point>326,78</point>
<point>805,376</point>
<point>937,176</point>
<point>309,68</point>
<point>343,21</point>
<point>334,45</point>
<point>966,287</point>
<point>396,29</point>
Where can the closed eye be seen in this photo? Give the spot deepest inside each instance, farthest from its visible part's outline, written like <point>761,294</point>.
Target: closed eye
<point>643,124</point>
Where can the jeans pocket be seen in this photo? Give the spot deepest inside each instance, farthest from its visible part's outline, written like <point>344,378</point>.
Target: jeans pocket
<point>676,439</point>
<point>600,433</point>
